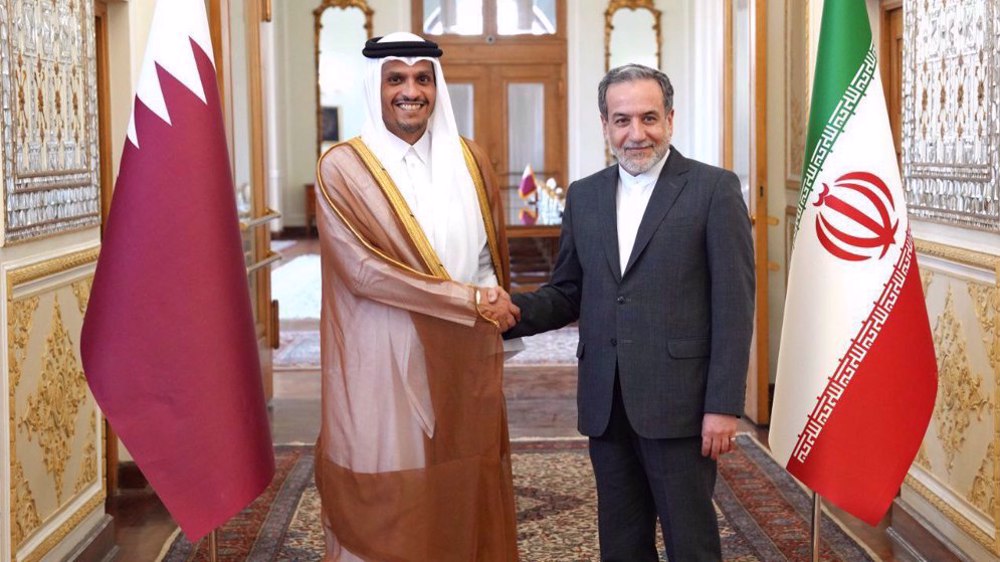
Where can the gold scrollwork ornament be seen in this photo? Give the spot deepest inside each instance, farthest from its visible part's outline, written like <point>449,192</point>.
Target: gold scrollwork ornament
<point>960,396</point>
<point>53,408</point>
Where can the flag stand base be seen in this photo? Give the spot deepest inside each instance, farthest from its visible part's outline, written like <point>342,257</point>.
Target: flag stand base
<point>817,514</point>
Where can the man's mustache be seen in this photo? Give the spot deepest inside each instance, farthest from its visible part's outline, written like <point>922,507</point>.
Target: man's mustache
<point>405,99</point>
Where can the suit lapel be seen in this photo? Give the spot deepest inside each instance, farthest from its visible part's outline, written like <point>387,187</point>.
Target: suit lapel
<point>609,219</point>
<point>669,185</point>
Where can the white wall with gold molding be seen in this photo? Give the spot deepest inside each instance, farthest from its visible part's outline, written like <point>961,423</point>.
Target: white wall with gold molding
<point>954,484</point>
<point>55,435</point>
<point>52,435</point>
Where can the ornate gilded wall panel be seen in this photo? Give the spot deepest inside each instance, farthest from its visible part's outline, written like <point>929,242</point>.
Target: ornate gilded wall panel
<point>960,397</point>
<point>48,127</point>
<point>956,472</point>
<point>951,126</point>
<point>56,441</point>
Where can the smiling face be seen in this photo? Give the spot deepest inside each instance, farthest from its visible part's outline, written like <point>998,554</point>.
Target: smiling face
<point>638,127</point>
<point>408,94</point>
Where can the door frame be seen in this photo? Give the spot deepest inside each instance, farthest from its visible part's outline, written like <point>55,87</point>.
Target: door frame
<point>257,226</point>
<point>758,400</point>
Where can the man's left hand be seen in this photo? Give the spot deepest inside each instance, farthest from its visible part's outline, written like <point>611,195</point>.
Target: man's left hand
<point>718,431</point>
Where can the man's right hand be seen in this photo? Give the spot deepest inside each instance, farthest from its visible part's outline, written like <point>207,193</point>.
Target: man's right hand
<point>495,305</point>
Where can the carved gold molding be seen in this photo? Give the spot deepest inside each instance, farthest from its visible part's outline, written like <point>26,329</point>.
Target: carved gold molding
<point>81,290</point>
<point>959,393</point>
<point>987,307</point>
<point>32,272</point>
<point>53,408</point>
<point>922,459</point>
<point>926,278</point>
<point>960,255</point>
<point>24,516</point>
<point>609,14</point>
<point>18,330</point>
<point>961,521</point>
<point>88,464</point>
<point>984,486</point>
<point>73,522</point>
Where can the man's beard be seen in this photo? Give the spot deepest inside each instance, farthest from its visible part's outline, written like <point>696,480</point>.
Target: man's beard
<point>636,166</point>
<point>411,127</point>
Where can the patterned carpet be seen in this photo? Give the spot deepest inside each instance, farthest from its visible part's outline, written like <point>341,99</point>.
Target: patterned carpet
<point>763,514</point>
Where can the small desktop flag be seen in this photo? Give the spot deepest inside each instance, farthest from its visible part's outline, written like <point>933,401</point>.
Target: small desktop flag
<point>528,216</point>
<point>528,186</point>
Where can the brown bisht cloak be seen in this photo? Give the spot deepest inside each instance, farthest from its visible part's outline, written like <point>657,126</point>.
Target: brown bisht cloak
<point>413,458</point>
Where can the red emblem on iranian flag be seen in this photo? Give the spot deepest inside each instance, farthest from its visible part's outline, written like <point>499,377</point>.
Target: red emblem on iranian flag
<point>858,220</point>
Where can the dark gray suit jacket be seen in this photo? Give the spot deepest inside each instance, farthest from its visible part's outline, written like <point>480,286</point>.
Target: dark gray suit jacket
<point>677,322</point>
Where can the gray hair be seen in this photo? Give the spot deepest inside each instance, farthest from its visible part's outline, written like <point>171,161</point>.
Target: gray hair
<point>631,73</point>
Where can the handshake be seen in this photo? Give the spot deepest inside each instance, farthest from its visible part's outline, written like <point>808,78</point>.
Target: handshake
<point>494,304</point>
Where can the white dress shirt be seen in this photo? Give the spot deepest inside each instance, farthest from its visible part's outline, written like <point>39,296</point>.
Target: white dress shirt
<point>631,200</point>
<point>437,210</point>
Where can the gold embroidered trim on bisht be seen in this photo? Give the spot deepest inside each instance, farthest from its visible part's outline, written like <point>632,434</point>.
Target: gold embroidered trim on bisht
<point>399,205</point>
<point>354,231</point>
<point>484,210</point>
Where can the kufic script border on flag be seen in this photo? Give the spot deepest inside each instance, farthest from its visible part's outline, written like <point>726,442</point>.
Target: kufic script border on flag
<point>860,345</point>
<point>834,127</point>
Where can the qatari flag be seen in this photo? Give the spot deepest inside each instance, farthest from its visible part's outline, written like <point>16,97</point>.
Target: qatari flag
<point>168,342</point>
<point>857,376</point>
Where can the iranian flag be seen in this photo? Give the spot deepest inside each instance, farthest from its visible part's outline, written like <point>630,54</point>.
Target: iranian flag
<point>857,376</point>
<point>168,341</point>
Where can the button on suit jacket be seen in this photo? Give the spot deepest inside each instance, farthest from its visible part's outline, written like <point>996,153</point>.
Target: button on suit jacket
<point>676,324</point>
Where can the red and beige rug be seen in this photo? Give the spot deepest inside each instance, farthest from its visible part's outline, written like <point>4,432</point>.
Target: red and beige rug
<point>763,513</point>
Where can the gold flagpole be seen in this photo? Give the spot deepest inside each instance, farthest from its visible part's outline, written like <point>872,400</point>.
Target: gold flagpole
<point>817,514</point>
<point>213,546</point>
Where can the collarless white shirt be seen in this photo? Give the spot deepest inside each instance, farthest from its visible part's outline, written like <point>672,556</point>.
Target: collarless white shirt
<point>410,169</point>
<point>631,200</point>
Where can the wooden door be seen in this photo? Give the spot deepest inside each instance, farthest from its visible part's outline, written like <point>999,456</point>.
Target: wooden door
<point>236,38</point>
<point>101,40</point>
<point>745,152</point>
<point>517,114</point>
<point>891,61</point>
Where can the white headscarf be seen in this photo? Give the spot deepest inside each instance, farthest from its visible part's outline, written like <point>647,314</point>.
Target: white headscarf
<point>457,233</point>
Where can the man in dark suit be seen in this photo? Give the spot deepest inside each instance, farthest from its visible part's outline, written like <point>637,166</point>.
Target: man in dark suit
<point>656,262</point>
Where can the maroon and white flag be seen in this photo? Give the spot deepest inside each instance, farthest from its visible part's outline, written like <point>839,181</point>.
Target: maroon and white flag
<point>168,341</point>
<point>857,376</point>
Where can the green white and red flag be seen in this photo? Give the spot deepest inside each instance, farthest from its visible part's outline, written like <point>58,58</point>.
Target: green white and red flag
<point>857,375</point>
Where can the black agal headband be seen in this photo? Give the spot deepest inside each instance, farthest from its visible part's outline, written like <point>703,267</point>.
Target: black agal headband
<point>375,50</point>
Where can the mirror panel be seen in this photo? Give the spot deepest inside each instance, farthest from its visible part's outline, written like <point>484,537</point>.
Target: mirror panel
<point>526,126</point>
<point>453,17</point>
<point>631,34</point>
<point>342,26</point>
<point>463,105</point>
<point>526,17</point>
